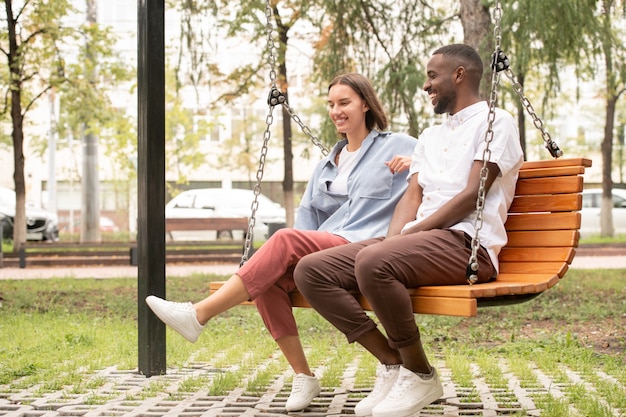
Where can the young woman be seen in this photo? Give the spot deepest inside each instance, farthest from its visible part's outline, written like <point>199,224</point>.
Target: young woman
<point>350,197</point>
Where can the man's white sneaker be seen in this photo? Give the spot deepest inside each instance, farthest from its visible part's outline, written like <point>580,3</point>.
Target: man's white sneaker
<point>409,394</point>
<point>385,377</point>
<point>179,316</point>
<point>303,389</point>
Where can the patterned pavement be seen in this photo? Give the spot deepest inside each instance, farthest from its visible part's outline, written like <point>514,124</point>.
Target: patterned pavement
<point>127,393</point>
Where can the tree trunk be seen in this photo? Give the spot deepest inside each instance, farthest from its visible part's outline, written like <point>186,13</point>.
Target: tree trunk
<point>606,210</point>
<point>90,185</point>
<point>521,119</point>
<point>477,30</point>
<point>19,221</point>
<point>283,86</point>
<point>17,121</point>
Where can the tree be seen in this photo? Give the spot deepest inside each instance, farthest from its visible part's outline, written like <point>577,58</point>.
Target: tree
<point>387,41</point>
<point>32,47</point>
<point>91,76</point>
<point>183,131</point>
<point>477,32</point>
<point>613,53</point>
<point>541,37</point>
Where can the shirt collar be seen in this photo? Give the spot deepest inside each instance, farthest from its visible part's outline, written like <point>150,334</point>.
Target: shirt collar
<point>457,119</point>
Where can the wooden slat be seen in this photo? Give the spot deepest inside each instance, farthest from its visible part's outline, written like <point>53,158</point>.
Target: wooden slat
<point>467,307</point>
<point>535,286</point>
<point>543,221</point>
<point>455,291</point>
<point>545,203</point>
<point>543,238</point>
<point>206,223</point>
<point>551,172</point>
<point>549,279</point>
<point>556,163</point>
<point>549,185</point>
<point>559,254</point>
<point>521,268</point>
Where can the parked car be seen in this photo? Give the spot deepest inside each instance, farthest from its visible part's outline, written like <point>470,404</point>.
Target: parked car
<point>106,225</point>
<point>590,224</point>
<point>40,224</point>
<point>224,202</point>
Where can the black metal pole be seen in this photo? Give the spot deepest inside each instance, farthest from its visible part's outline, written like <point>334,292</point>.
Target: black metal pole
<point>151,181</point>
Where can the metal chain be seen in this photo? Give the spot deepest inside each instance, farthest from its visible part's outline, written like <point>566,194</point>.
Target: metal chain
<point>269,119</point>
<point>500,62</point>
<point>275,97</point>
<point>551,146</point>
<point>472,267</point>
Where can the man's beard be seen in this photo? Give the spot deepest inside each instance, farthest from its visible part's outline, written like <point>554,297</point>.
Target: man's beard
<point>444,101</point>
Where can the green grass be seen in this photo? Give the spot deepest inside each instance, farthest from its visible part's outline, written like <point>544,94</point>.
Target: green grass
<point>597,239</point>
<point>56,333</point>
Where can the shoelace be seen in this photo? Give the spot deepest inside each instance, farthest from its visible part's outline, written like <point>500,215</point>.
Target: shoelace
<point>382,376</point>
<point>297,385</point>
<point>399,388</point>
<point>181,306</point>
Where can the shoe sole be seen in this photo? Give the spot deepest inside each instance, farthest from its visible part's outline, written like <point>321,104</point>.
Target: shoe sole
<point>427,400</point>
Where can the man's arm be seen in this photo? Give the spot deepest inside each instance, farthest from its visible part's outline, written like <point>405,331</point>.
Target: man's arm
<point>462,204</point>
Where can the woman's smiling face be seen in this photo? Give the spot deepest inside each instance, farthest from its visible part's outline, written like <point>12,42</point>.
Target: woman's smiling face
<point>346,109</point>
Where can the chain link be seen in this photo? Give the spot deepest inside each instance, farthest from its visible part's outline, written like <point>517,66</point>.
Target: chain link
<point>550,145</point>
<point>275,97</point>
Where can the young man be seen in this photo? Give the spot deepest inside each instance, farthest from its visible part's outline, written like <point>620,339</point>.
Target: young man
<point>429,238</point>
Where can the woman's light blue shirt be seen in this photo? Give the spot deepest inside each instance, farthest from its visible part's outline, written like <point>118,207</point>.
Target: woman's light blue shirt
<point>373,191</point>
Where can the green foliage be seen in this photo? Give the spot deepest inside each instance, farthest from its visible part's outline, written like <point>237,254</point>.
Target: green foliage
<point>37,64</point>
<point>184,129</point>
<point>85,100</point>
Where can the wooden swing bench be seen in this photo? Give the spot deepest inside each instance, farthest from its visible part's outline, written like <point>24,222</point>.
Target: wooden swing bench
<point>543,232</point>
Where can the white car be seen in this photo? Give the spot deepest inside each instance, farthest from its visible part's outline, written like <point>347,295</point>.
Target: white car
<point>224,202</point>
<point>590,224</point>
<point>40,224</point>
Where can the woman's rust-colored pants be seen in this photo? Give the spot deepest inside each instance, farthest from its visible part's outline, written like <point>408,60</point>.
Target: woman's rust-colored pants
<point>268,274</point>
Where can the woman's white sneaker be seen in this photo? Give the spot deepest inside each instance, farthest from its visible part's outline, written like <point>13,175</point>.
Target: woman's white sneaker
<point>385,377</point>
<point>409,394</point>
<point>303,390</point>
<point>179,316</point>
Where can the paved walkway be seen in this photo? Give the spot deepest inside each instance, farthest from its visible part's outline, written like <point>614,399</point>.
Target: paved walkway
<point>123,389</point>
<point>115,392</point>
<point>580,262</point>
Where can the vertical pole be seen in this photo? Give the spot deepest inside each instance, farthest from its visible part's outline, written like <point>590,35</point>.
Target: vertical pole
<point>52,149</point>
<point>151,181</point>
<point>90,184</point>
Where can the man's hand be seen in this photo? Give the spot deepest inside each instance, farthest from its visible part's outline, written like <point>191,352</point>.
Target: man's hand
<point>399,163</point>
